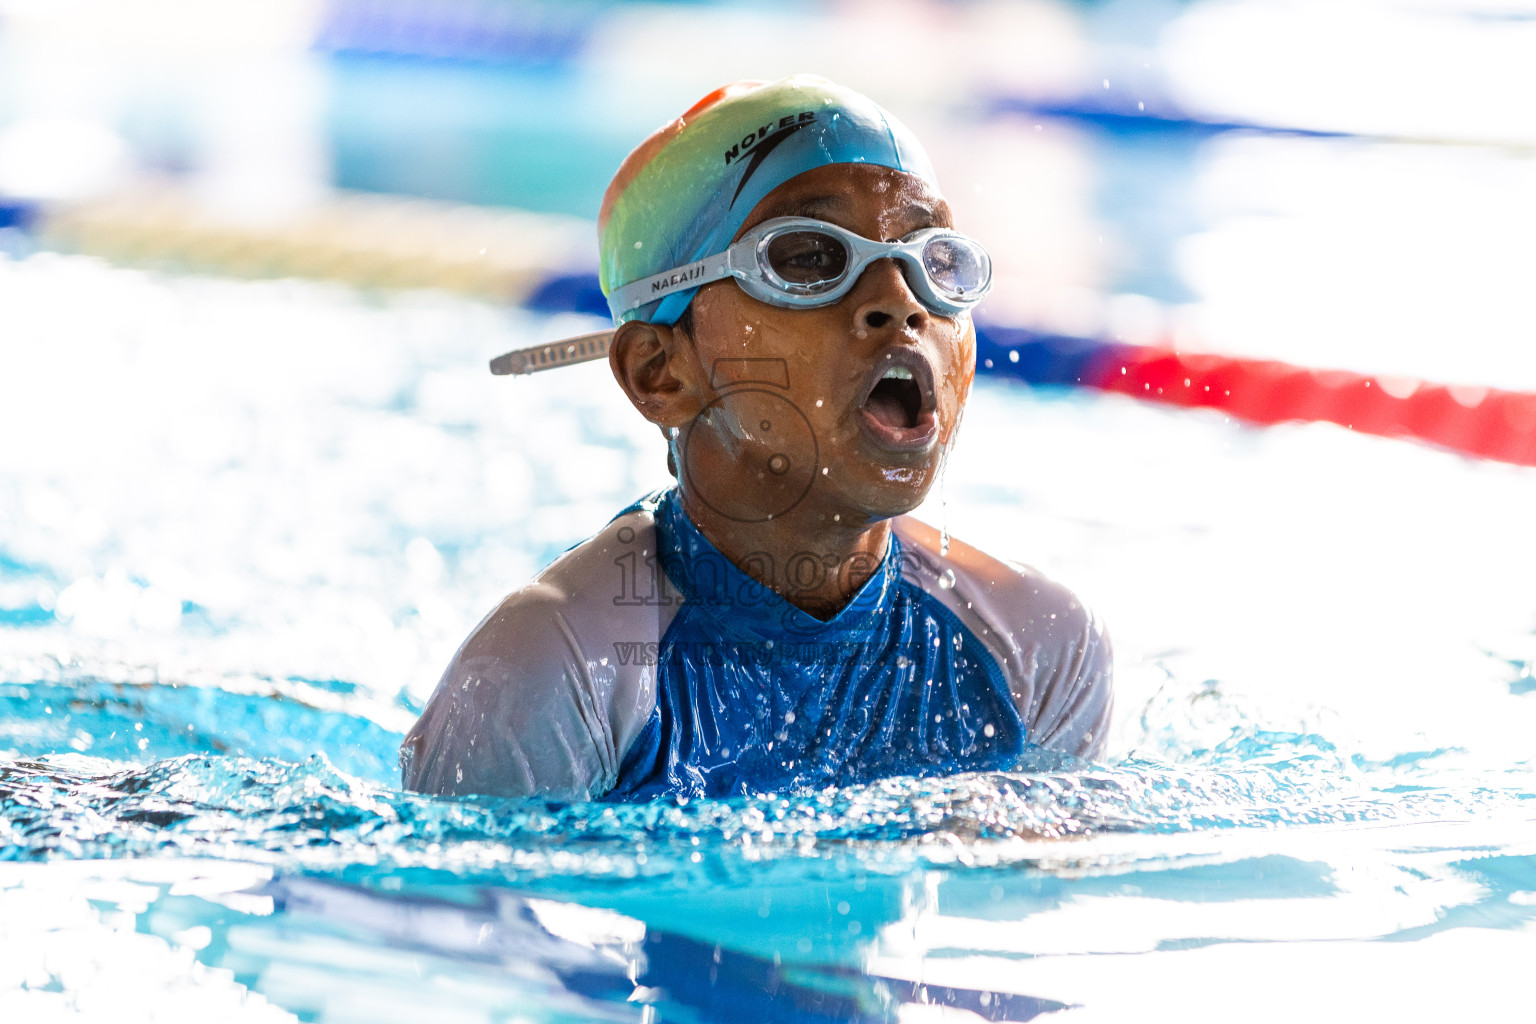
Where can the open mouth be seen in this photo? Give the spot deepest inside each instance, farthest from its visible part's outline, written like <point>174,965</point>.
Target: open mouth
<point>898,407</point>
<point>896,400</point>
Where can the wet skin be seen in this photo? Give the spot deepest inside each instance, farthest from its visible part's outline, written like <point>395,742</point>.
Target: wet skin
<point>770,473</point>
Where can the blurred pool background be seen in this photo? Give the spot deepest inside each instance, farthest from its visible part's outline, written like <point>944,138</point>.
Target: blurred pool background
<point>256,485</point>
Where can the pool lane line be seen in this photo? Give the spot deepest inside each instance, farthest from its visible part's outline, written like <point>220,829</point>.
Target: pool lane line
<point>367,240</point>
<point>1482,422</point>
<point>523,259</point>
<point>1119,114</point>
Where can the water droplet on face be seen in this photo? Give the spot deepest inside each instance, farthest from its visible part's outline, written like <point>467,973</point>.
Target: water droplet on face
<point>949,446</point>
<point>948,579</point>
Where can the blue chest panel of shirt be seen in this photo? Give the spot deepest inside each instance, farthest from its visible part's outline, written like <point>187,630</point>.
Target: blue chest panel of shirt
<point>755,695</point>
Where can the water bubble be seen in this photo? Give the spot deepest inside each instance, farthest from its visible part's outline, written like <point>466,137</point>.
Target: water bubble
<point>947,580</point>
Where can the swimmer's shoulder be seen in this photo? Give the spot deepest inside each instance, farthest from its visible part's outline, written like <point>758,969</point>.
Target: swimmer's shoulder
<point>554,684</point>
<point>1017,597</point>
<point>1051,647</point>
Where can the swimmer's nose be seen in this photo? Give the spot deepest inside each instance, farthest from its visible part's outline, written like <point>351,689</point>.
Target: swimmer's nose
<point>886,299</point>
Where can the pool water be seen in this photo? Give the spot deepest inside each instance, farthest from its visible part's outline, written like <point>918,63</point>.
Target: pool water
<point>244,525</point>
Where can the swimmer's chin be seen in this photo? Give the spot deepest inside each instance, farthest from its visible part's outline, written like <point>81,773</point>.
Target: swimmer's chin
<point>885,492</point>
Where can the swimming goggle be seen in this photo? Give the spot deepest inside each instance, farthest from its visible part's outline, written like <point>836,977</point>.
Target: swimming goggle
<point>794,263</point>
<point>801,263</point>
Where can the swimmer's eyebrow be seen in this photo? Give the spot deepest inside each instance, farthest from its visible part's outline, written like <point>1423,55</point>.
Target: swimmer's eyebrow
<point>829,206</point>
<point>818,207</point>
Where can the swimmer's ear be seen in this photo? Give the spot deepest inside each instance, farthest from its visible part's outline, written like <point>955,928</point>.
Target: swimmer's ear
<point>659,371</point>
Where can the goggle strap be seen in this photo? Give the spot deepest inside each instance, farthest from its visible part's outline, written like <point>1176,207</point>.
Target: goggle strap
<point>553,354</point>
<point>658,286</point>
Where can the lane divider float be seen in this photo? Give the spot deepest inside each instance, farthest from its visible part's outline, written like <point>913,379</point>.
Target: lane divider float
<point>528,259</point>
<point>363,239</point>
<point>1487,423</point>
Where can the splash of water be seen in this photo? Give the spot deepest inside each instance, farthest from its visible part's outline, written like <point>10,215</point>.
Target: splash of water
<point>241,793</point>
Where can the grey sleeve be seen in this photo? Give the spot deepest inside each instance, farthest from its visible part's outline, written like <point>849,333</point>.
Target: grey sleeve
<point>540,700</point>
<point>516,713</point>
<point>1075,692</point>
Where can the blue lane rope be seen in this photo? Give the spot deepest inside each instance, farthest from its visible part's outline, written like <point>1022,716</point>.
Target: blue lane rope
<point>1114,115</point>
<point>1481,422</point>
<point>18,214</point>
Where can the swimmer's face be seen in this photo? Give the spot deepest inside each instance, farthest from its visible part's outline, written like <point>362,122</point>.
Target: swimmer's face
<point>879,378</point>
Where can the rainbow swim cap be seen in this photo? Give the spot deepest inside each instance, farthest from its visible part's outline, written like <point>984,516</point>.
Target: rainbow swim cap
<point>684,193</point>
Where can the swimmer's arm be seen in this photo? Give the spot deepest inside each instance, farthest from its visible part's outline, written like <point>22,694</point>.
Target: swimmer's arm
<point>1074,695</point>
<point>516,714</point>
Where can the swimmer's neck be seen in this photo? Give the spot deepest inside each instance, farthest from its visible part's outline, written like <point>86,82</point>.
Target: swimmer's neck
<point>834,553</point>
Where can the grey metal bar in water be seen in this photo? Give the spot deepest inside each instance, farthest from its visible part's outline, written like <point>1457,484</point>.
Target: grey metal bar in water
<point>565,352</point>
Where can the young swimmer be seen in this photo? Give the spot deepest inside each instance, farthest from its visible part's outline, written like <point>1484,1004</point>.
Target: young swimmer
<point>793,308</point>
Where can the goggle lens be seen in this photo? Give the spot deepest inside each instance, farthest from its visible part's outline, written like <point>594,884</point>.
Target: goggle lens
<point>810,261</point>
<point>957,266</point>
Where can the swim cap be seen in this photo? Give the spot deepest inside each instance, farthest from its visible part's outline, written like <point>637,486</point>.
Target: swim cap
<point>684,192</point>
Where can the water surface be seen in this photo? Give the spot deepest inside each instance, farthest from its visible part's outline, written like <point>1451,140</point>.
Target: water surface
<point>244,525</point>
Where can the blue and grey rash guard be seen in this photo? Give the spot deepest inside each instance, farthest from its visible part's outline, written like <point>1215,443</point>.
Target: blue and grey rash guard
<point>643,662</point>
